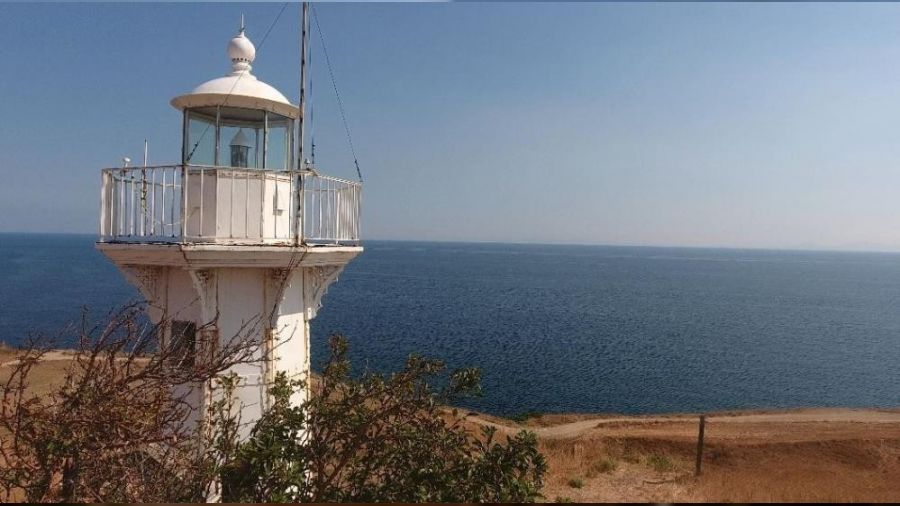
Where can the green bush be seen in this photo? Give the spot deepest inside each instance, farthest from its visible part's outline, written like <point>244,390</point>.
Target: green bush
<point>576,483</point>
<point>376,439</point>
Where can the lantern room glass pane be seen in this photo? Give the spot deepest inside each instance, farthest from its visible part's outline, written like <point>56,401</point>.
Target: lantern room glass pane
<point>278,149</point>
<point>237,137</point>
<point>200,144</point>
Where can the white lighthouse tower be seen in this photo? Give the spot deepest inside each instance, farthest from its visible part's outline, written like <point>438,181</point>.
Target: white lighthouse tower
<point>237,238</point>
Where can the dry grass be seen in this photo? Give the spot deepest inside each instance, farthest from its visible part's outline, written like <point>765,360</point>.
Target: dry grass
<point>864,468</point>
<point>613,470</point>
<point>43,378</point>
<point>605,465</point>
<point>6,352</point>
<point>828,471</point>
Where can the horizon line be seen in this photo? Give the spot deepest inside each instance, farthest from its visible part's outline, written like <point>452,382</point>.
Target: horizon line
<point>584,244</point>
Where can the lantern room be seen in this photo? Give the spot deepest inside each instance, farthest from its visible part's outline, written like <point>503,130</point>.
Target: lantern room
<point>238,181</point>
<point>237,120</point>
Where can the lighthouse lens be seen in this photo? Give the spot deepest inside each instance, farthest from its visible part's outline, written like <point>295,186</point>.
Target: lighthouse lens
<point>238,145</point>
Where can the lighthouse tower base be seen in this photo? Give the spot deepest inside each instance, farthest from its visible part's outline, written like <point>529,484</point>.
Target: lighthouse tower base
<point>213,294</point>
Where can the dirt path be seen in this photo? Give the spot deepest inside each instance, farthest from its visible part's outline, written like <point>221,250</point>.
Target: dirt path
<point>664,424</point>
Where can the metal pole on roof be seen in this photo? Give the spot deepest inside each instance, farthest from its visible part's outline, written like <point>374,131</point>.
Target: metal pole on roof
<point>304,51</point>
<point>298,178</point>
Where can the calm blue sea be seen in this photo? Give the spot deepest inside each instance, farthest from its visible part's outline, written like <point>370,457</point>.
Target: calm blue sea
<point>565,328</point>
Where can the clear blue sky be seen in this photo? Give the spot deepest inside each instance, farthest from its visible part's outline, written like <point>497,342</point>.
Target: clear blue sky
<point>745,125</point>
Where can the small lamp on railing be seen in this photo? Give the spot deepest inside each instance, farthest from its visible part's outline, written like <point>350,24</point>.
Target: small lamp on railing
<point>309,167</point>
<point>240,149</point>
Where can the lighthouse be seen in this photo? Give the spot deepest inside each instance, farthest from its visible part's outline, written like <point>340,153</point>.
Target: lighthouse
<point>238,239</point>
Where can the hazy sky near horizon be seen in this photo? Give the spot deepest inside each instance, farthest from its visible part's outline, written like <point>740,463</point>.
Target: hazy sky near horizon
<point>742,125</point>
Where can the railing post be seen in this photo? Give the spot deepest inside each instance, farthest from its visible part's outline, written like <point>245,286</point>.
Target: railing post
<point>323,208</point>
<point>202,173</point>
<point>274,209</point>
<point>162,205</point>
<point>299,210</point>
<point>120,188</point>
<point>130,205</point>
<point>359,215</point>
<point>357,204</point>
<point>292,208</point>
<point>246,204</point>
<point>143,225</point>
<point>172,207</point>
<point>111,181</point>
<point>263,184</point>
<point>184,201</point>
<point>232,175</point>
<point>104,212</point>
<point>337,212</point>
<point>153,202</point>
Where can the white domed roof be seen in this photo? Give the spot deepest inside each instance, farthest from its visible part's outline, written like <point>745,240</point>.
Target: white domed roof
<point>238,88</point>
<point>246,85</point>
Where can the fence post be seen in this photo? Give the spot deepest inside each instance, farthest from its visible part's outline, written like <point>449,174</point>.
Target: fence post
<point>700,445</point>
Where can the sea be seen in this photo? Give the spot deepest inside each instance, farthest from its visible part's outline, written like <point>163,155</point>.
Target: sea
<point>559,328</point>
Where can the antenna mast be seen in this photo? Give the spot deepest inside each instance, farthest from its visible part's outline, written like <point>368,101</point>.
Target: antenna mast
<point>304,51</point>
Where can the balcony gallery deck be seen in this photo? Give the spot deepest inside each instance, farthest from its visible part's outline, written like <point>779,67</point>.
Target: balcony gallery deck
<point>227,205</point>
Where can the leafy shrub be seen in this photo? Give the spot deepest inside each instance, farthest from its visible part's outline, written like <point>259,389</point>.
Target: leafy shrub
<point>114,429</point>
<point>576,483</point>
<point>379,438</point>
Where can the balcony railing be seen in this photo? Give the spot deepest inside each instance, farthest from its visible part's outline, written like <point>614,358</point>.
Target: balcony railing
<point>227,205</point>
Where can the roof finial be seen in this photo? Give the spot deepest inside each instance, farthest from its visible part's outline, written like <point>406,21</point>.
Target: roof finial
<point>241,51</point>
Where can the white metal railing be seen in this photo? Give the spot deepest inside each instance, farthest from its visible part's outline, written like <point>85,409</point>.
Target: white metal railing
<point>330,209</point>
<point>204,204</point>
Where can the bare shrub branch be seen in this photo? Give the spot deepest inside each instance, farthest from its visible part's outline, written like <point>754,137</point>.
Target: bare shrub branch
<point>117,427</point>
